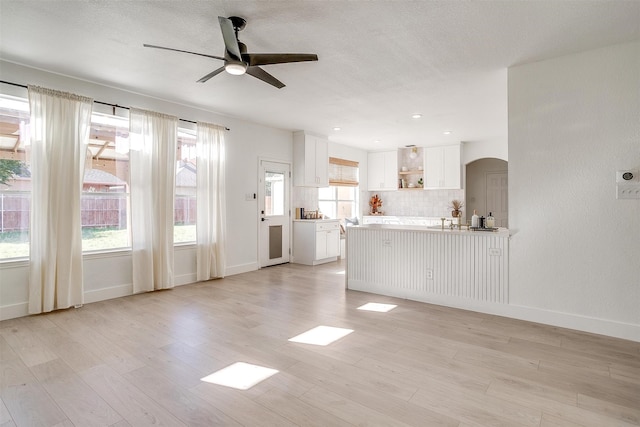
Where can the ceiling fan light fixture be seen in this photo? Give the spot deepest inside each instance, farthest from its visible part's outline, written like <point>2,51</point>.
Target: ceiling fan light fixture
<point>235,68</point>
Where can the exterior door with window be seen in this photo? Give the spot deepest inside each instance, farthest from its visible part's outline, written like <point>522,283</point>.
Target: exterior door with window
<point>274,213</point>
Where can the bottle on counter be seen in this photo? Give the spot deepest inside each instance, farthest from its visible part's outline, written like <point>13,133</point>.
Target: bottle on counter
<point>490,221</point>
<point>474,219</point>
<point>481,221</point>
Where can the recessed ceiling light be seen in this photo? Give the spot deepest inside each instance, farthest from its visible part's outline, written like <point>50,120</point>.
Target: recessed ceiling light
<point>447,132</point>
<point>416,116</point>
<point>337,128</point>
<point>377,141</point>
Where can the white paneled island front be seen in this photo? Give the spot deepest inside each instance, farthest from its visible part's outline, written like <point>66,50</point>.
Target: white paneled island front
<point>456,268</point>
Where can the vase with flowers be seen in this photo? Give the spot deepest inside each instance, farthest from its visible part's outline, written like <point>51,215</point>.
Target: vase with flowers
<point>375,203</point>
<point>456,208</point>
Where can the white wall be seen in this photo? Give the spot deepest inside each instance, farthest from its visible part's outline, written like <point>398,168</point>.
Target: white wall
<point>110,275</point>
<point>575,255</point>
<point>497,145</point>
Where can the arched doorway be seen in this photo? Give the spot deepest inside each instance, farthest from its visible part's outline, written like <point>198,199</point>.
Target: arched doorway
<point>487,189</point>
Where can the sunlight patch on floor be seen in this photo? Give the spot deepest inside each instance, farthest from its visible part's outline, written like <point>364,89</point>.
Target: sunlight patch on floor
<point>321,335</point>
<point>374,306</point>
<point>240,375</point>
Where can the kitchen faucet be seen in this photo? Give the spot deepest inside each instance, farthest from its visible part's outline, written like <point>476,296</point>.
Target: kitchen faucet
<point>452,225</point>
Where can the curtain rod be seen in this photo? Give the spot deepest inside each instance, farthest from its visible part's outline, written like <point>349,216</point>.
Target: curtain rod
<point>102,103</point>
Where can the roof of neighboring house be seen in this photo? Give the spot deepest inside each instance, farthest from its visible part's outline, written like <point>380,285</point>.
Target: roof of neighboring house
<point>186,175</point>
<point>97,176</point>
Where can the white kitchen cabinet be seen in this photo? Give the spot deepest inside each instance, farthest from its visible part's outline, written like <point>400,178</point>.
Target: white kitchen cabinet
<point>382,171</point>
<point>316,242</point>
<point>442,167</point>
<point>310,160</point>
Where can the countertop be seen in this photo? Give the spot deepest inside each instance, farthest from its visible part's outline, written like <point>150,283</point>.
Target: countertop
<point>501,232</point>
<point>315,220</point>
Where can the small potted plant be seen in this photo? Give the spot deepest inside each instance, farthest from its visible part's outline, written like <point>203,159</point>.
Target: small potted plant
<point>456,206</point>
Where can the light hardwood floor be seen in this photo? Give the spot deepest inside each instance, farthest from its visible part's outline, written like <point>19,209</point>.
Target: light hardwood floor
<point>139,361</point>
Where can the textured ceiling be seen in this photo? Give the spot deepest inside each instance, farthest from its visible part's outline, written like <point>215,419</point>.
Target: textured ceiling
<point>379,61</point>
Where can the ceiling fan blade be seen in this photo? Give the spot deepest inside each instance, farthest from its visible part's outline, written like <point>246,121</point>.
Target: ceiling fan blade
<point>277,58</point>
<point>211,74</point>
<point>229,36</point>
<point>183,51</point>
<point>261,74</point>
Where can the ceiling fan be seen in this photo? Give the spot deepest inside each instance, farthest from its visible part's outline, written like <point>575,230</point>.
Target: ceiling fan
<point>236,59</point>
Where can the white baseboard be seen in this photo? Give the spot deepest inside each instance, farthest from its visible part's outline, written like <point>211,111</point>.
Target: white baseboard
<point>243,268</point>
<point>611,328</point>
<point>593,325</point>
<point>21,309</point>
<point>14,310</point>
<point>185,279</point>
<point>108,293</point>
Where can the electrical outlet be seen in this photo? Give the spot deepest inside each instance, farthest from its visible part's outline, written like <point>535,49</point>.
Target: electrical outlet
<point>429,274</point>
<point>628,191</point>
<point>495,251</point>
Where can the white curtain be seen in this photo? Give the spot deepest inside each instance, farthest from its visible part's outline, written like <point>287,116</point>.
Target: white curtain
<point>210,222</point>
<point>153,142</point>
<point>60,126</point>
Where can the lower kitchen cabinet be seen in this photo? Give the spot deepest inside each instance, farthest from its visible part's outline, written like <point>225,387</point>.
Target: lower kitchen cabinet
<point>316,241</point>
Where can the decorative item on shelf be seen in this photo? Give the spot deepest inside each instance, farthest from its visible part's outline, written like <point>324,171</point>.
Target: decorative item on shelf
<point>456,206</point>
<point>375,203</point>
<point>420,182</point>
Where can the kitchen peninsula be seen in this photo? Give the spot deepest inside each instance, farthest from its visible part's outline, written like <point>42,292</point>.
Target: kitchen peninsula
<point>457,268</point>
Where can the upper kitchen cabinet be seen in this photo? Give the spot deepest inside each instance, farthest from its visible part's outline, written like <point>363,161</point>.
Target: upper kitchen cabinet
<point>310,160</point>
<point>442,167</point>
<point>382,171</point>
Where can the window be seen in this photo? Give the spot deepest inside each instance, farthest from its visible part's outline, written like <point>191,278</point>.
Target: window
<point>15,182</point>
<point>274,197</point>
<point>184,229</point>
<point>340,199</point>
<point>105,199</point>
<point>338,202</point>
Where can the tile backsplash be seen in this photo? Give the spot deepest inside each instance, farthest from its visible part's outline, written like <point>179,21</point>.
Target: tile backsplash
<point>430,203</point>
<point>305,197</point>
